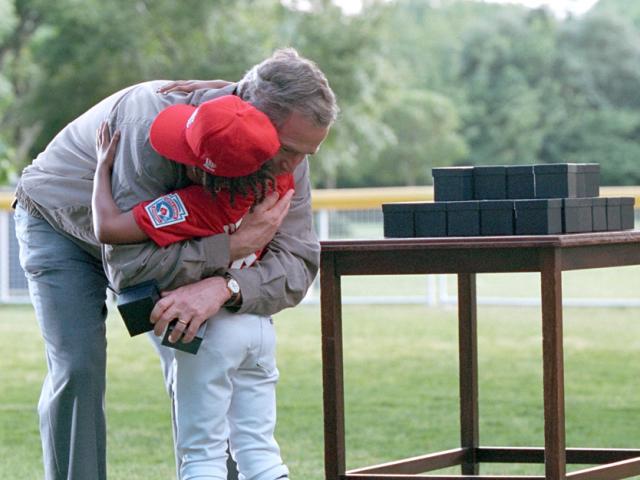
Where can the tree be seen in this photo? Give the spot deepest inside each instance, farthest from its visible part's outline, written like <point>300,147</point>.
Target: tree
<point>62,57</point>
<point>20,21</point>
<point>608,137</point>
<point>504,78</point>
<point>347,50</point>
<point>419,82</point>
<point>601,60</point>
<point>425,134</point>
<point>620,8</point>
<point>599,78</point>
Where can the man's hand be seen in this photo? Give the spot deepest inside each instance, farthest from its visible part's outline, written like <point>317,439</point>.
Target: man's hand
<point>188,86</point>
<point>258,227</point>
<point>192,305</point>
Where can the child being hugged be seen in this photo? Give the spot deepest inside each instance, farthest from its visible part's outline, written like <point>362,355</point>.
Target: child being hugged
<point>227,391</point>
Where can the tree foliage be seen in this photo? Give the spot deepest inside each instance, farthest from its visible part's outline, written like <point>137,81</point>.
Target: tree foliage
<point>420,83</point>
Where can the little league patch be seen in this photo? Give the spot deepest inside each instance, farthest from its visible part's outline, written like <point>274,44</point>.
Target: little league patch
<point>167,210</point>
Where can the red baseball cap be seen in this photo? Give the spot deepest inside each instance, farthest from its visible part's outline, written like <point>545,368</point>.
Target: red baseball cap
<point>227,136</point>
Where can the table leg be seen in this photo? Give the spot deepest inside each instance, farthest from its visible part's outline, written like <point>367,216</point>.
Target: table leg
<point>332,369</point>
<point>553,365</point>
<point>468,361</point>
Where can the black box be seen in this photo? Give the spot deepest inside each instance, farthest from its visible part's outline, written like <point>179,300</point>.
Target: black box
<point>520,181</point>
<point>620,214</point>
<point>577,216</point>
<point>135,304</point>
<point>627,218</point>
<point>588,179</point>
<point>463,219</point>
<point>452,184</point>
<point>599,214</point>
<point>538,217</point>
<point>567,180</point>
<point>191,347</point>
<point>430,219</point>
<point>497,217</point>
<point>614,221</point>
<point>398,219</point>
<point>490,183</point>
<point>559,180</point>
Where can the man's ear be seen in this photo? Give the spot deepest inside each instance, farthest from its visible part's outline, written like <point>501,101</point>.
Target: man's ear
<point>197,175</point>
<point>203,176</point>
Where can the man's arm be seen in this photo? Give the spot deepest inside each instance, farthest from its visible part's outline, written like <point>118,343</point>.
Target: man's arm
<point>277,281</point>
<point>292,256</point>
<point>141,174</point>
<point>281,278</point>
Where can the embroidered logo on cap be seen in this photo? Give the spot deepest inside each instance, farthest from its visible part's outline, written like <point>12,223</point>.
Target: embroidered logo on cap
<point>209,165</point>
<point>167,210</point>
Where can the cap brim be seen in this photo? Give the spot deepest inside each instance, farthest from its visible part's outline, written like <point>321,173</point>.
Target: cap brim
<point>167,134</point>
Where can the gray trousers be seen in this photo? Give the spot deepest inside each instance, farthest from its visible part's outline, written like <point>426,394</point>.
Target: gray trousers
<point>68,291</point>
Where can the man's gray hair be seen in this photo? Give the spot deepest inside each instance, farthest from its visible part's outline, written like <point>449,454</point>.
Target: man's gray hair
<point>287,82</point>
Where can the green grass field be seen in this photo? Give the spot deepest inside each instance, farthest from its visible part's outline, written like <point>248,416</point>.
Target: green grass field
<point>620,282</point>
<point>400,382</point>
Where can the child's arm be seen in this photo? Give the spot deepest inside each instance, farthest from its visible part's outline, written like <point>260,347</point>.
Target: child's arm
<point>190,212</point>
<point>110,224</point>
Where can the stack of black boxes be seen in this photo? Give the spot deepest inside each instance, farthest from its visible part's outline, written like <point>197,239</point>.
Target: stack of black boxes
<point>511,200</point>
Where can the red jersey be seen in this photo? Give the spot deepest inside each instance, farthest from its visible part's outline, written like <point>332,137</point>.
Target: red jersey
<point>193,212</point>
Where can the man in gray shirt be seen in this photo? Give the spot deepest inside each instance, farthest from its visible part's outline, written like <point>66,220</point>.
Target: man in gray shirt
<point>68,270</point>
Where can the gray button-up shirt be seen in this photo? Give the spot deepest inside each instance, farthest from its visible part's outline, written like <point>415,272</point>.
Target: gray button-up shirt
<point>58,186</point>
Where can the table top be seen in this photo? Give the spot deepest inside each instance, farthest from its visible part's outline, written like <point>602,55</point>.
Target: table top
<point>480,254</point>
<point>513,241</point>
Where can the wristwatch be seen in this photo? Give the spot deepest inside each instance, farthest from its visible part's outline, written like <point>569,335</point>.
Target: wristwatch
<point>234,289</point>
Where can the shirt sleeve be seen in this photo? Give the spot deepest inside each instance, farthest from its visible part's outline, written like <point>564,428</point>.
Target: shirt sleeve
<point>188,213</point>
<point>284,183</point>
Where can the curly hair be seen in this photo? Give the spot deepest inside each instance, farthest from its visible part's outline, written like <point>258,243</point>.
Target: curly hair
<point>258,183</point>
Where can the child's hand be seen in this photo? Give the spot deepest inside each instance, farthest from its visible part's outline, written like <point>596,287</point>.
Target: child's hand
<point>106,146</point>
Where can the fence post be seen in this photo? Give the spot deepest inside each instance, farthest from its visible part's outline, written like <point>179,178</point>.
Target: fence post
<point>323,224</point>
<point>432,291</point>
<point>4,257</point>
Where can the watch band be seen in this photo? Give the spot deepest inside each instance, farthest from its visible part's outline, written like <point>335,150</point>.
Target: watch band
<point>234,288</point>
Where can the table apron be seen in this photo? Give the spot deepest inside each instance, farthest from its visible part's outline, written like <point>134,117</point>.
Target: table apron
<point>434,261</point>
<point>498,260</point>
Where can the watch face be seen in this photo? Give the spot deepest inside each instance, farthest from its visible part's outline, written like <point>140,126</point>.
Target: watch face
<point>233,286</point>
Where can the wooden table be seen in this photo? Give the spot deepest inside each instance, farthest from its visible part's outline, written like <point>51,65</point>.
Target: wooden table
<point>549,255</point>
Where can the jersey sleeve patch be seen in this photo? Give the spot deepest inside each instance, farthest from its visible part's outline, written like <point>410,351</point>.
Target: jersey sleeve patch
<point>167,210</point>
